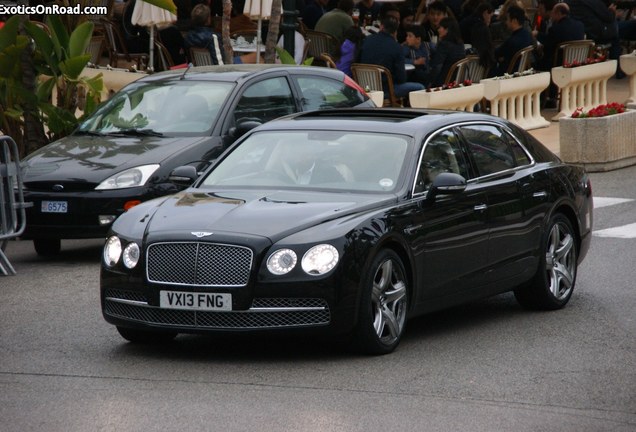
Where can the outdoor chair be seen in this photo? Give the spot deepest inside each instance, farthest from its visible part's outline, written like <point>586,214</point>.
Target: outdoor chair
<point>117,49</point>
<point>570,51</point>
<point>521,61</point>
<point>328,60</point>
<point>369,77</point>
<point>457,71</point>
<point>201,57</point>
<point>321,43</point>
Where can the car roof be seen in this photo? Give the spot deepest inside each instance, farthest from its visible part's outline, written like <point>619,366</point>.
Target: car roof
<point>237,72</point>
<point>413,122</point>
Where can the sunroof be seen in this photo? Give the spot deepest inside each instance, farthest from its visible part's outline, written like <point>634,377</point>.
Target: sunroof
<point>393,116</point>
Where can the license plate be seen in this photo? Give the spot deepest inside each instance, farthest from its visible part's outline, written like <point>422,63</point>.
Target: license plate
<point>195,301</point>
<point>54,207</point>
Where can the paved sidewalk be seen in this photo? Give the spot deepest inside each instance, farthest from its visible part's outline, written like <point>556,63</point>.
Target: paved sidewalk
<point>617,91</point>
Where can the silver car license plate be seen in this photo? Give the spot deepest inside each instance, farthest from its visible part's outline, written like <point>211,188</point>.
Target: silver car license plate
<point>54,207</point>
<point>195,301</point>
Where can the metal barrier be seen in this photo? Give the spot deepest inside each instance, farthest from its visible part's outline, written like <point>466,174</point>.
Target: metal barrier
<point>12,205</point>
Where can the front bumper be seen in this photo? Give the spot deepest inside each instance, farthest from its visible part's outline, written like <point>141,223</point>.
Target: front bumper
<point>83,210</point>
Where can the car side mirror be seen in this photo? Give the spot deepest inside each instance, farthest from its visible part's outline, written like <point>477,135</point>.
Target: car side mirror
<point>243,127</point>
<point>183,175</point>
<point>446,184</point>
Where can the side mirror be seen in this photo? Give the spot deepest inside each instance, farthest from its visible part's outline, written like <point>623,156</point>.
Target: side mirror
<point>244,126</point>
<point>446,184</point>
<point>183,175</point>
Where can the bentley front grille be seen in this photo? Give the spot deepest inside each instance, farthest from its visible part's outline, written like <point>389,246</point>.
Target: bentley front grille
<point>198,264</point>
<point>265,313</point>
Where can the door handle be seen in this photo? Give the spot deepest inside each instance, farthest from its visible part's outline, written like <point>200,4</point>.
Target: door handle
<point>480,207</point>
<point>541,194</point>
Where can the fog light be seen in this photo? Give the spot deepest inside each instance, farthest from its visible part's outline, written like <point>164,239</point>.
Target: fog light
<point>106,219</point>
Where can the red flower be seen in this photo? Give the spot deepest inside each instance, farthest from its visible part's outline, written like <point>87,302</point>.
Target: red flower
<point>600,111</point>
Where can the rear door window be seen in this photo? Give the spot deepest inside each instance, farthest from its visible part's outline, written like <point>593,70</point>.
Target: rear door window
<point>321,93</point>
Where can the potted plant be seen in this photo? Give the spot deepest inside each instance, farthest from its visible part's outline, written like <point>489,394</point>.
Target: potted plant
<point>601,138</point>
<point>459,96</point>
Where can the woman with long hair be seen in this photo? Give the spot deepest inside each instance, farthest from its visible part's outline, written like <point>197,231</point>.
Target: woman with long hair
<point>450,49</point>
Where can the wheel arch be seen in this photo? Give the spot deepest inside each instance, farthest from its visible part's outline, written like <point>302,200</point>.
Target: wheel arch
<point>570,214</point>
<point>401,250</point>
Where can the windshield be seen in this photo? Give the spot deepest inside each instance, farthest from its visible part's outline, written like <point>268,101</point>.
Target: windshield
<point>352,161</point>
<point>157,108</point>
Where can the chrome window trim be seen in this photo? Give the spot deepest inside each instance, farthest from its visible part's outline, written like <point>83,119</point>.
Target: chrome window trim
<point>479,179</point>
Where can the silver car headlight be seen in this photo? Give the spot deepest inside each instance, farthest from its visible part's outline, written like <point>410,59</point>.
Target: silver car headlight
<point>131,255</point>
<point>112,251</point>
<point>282,261</point>
<point>132,177</point>
<point>320,259</point>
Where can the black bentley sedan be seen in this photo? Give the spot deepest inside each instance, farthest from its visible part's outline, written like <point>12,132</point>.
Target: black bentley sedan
<point>350,222</point>
<point>123,153</point>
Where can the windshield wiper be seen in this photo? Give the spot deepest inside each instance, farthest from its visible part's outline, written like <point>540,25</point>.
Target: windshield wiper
<point>137,132</point>
<point>87,132</point>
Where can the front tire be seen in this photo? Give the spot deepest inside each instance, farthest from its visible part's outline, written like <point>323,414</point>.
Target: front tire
<point>384,305</point>
<point>47,247</point>
<point>145,336</point>
<point>552,286</point>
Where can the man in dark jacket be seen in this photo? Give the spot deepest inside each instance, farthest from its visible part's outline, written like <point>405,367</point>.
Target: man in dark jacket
<point>383,49</point>
<point>599,21</point>
<point>519,39</point>
<point>564,28</point>
<point>202,35</point>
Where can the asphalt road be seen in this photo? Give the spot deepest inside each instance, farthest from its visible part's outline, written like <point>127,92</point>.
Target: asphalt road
<point>488,366</point>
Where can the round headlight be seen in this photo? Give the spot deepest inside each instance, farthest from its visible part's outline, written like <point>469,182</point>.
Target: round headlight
<point>112,251</point>
<point>320,259</point>
<point>282,261</point>
<point>131,255</point>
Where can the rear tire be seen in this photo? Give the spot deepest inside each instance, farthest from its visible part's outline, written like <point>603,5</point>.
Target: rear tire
<point>384,305</point>
<point>47,247</point>
<point>552,285</point>
<point>145,336</point>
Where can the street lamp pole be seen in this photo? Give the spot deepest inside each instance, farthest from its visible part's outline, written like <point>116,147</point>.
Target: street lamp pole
<point>289,25</point>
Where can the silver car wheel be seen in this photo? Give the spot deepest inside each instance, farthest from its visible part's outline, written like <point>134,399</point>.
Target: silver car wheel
<point>388,302</point>
<point>560,261</point>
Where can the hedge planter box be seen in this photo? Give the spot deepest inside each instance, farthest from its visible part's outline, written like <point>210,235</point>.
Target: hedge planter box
<point>582,86</point>
<point>518,99</point>
<point>628,65</point>
<point>459,98</point>
<point>601,143</point>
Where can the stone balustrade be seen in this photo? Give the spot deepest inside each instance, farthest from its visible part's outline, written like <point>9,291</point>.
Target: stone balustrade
<point>582,86</point>
<point>628,65</point>
<point>460,98</point>
<point>518,99</point>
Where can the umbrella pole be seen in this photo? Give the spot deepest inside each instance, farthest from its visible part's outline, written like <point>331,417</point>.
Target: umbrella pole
<point>258,41</point>
<point>151,65</point>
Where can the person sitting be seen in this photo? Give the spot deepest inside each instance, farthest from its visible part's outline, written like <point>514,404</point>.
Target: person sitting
<point>450,49</point>
<point>383,49</point>
<point>519,38</point>
<point>418,53</point>
<point>435,12</point>
<point>337,20</point>
<point>350,49</point>
<point>476,32</point>
<point>313,11</point>
<point>564,28</point>
<point>202,36</point>
<point>599,21</point>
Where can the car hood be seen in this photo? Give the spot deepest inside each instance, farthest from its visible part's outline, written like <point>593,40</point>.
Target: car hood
<point>95,158</point>
<point>272,214</point>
